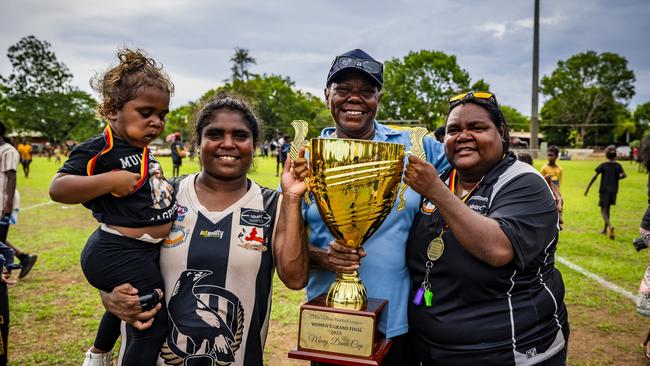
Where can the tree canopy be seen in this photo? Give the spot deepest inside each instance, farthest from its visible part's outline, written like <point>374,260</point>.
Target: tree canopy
<point>38,96</point>
<point>587,92</point>
<point>275,100</point>
<point>419,86</point>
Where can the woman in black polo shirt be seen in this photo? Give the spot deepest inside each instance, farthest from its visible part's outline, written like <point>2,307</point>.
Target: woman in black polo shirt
<point>485,290</point>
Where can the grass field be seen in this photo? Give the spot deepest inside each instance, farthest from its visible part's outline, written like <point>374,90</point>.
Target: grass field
<point>54,312</point>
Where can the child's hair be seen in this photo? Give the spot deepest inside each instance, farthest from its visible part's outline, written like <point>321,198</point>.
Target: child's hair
<point>223,101</point>
<point>122,83</point>
<point>554,149</point>
<point>525,157</point>
<point>610,152</point>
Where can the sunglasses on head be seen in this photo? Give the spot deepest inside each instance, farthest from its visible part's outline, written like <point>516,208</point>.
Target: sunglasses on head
<point>341,62</point>
<point>487,96</point>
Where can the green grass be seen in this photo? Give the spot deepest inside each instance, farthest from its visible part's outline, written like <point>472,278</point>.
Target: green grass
<point>54,312</point>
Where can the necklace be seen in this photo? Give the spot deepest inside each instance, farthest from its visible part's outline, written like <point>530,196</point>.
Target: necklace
<point>436,247</point>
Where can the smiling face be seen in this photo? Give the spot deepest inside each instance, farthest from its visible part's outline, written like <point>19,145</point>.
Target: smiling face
<point>353,102</point>
<point>473,144</point>
<point>227,146</point>
<point>142,119</point>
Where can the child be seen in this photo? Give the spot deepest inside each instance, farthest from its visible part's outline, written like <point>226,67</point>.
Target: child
<point>612,172</point>
<point>119,180</point>
<point>177,154</point>
<point>551,169</point>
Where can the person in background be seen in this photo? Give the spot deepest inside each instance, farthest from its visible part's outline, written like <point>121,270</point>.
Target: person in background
<point>177,154</point>
<point>552,169</point>
<point>284,150</point>
<point>525,157</point>
<point>278,157</point>
<point>10,199</point>
<point>25,151</point>
<point>57,154</point>
<point>439,133</point>
<point>611,172</point>
<point>485,289</point>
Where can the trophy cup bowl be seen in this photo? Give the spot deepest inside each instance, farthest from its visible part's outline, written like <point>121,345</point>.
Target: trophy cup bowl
<point>354,185</point>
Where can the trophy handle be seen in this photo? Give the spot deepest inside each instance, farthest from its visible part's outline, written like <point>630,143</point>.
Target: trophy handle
<point>300,128</point>
<point>417,149</point>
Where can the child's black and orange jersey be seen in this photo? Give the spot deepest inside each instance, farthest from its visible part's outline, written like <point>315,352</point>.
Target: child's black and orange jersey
<point>153,201</point>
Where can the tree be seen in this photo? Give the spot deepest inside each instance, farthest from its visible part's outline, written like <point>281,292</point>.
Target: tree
<point>586,94</point>
<point>419,86</point>
<point>516,120</point>
<point>642,118</point>
<point>240,62</point>
<point>480,85</point>
<point>39,97</point>
<point>275,101</point>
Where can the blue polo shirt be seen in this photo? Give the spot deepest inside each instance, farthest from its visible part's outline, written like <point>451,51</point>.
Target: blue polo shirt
<point>383,270</point>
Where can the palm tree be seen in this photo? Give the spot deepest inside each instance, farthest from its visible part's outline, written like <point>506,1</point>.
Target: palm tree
<point>241,60</point>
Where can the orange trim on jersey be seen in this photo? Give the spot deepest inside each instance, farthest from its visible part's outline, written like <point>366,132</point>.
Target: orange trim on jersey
<point>108,139</point>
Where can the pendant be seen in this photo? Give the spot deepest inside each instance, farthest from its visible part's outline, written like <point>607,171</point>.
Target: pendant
<point>419,295</point>
<point>436,248</point>
<point>428,297</point>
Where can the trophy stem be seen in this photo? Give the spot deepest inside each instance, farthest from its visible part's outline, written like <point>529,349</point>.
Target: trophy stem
<point>347,292</point>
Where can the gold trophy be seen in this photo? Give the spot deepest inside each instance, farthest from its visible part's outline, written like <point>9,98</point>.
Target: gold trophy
<point>354,184</point>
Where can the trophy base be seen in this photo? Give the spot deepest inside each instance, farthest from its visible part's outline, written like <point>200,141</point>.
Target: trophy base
<point>340,336</point>
<point>381,348</point>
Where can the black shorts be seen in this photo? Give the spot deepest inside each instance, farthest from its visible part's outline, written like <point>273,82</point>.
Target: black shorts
<point>177,162</point>
<point>607,199</point>
<point>109,260</point>
<point>25,162</point>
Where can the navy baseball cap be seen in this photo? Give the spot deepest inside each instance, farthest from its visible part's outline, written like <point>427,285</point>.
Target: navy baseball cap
<point>357,61</point>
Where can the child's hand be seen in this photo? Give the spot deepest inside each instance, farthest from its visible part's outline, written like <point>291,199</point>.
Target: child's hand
<point>123,182</point>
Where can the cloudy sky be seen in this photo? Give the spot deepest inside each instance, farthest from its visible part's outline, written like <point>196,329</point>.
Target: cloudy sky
<point>194,39</point>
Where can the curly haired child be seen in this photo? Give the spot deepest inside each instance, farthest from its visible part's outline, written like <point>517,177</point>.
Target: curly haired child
<point>115,176</point>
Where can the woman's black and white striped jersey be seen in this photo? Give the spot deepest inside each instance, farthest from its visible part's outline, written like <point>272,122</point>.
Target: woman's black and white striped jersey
<point>218,270</point>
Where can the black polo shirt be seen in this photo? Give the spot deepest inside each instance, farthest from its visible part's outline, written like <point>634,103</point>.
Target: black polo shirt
<point>483,315</point>
<point>153,203</point>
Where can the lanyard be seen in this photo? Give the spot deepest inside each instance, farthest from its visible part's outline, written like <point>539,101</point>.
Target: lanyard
<point>436,248</point>
<point>108,139</point>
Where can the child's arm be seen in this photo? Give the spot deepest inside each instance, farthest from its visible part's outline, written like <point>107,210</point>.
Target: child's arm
<point>71,189</point>
<point>622,174</point>
<point>590,183</point>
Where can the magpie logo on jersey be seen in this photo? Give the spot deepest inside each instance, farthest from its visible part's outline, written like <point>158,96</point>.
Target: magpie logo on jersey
<point>206,322</point>
<point>176,236</point>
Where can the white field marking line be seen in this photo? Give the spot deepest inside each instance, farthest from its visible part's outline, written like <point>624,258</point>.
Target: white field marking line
<point>593,276</point>
<point>37,205</point>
